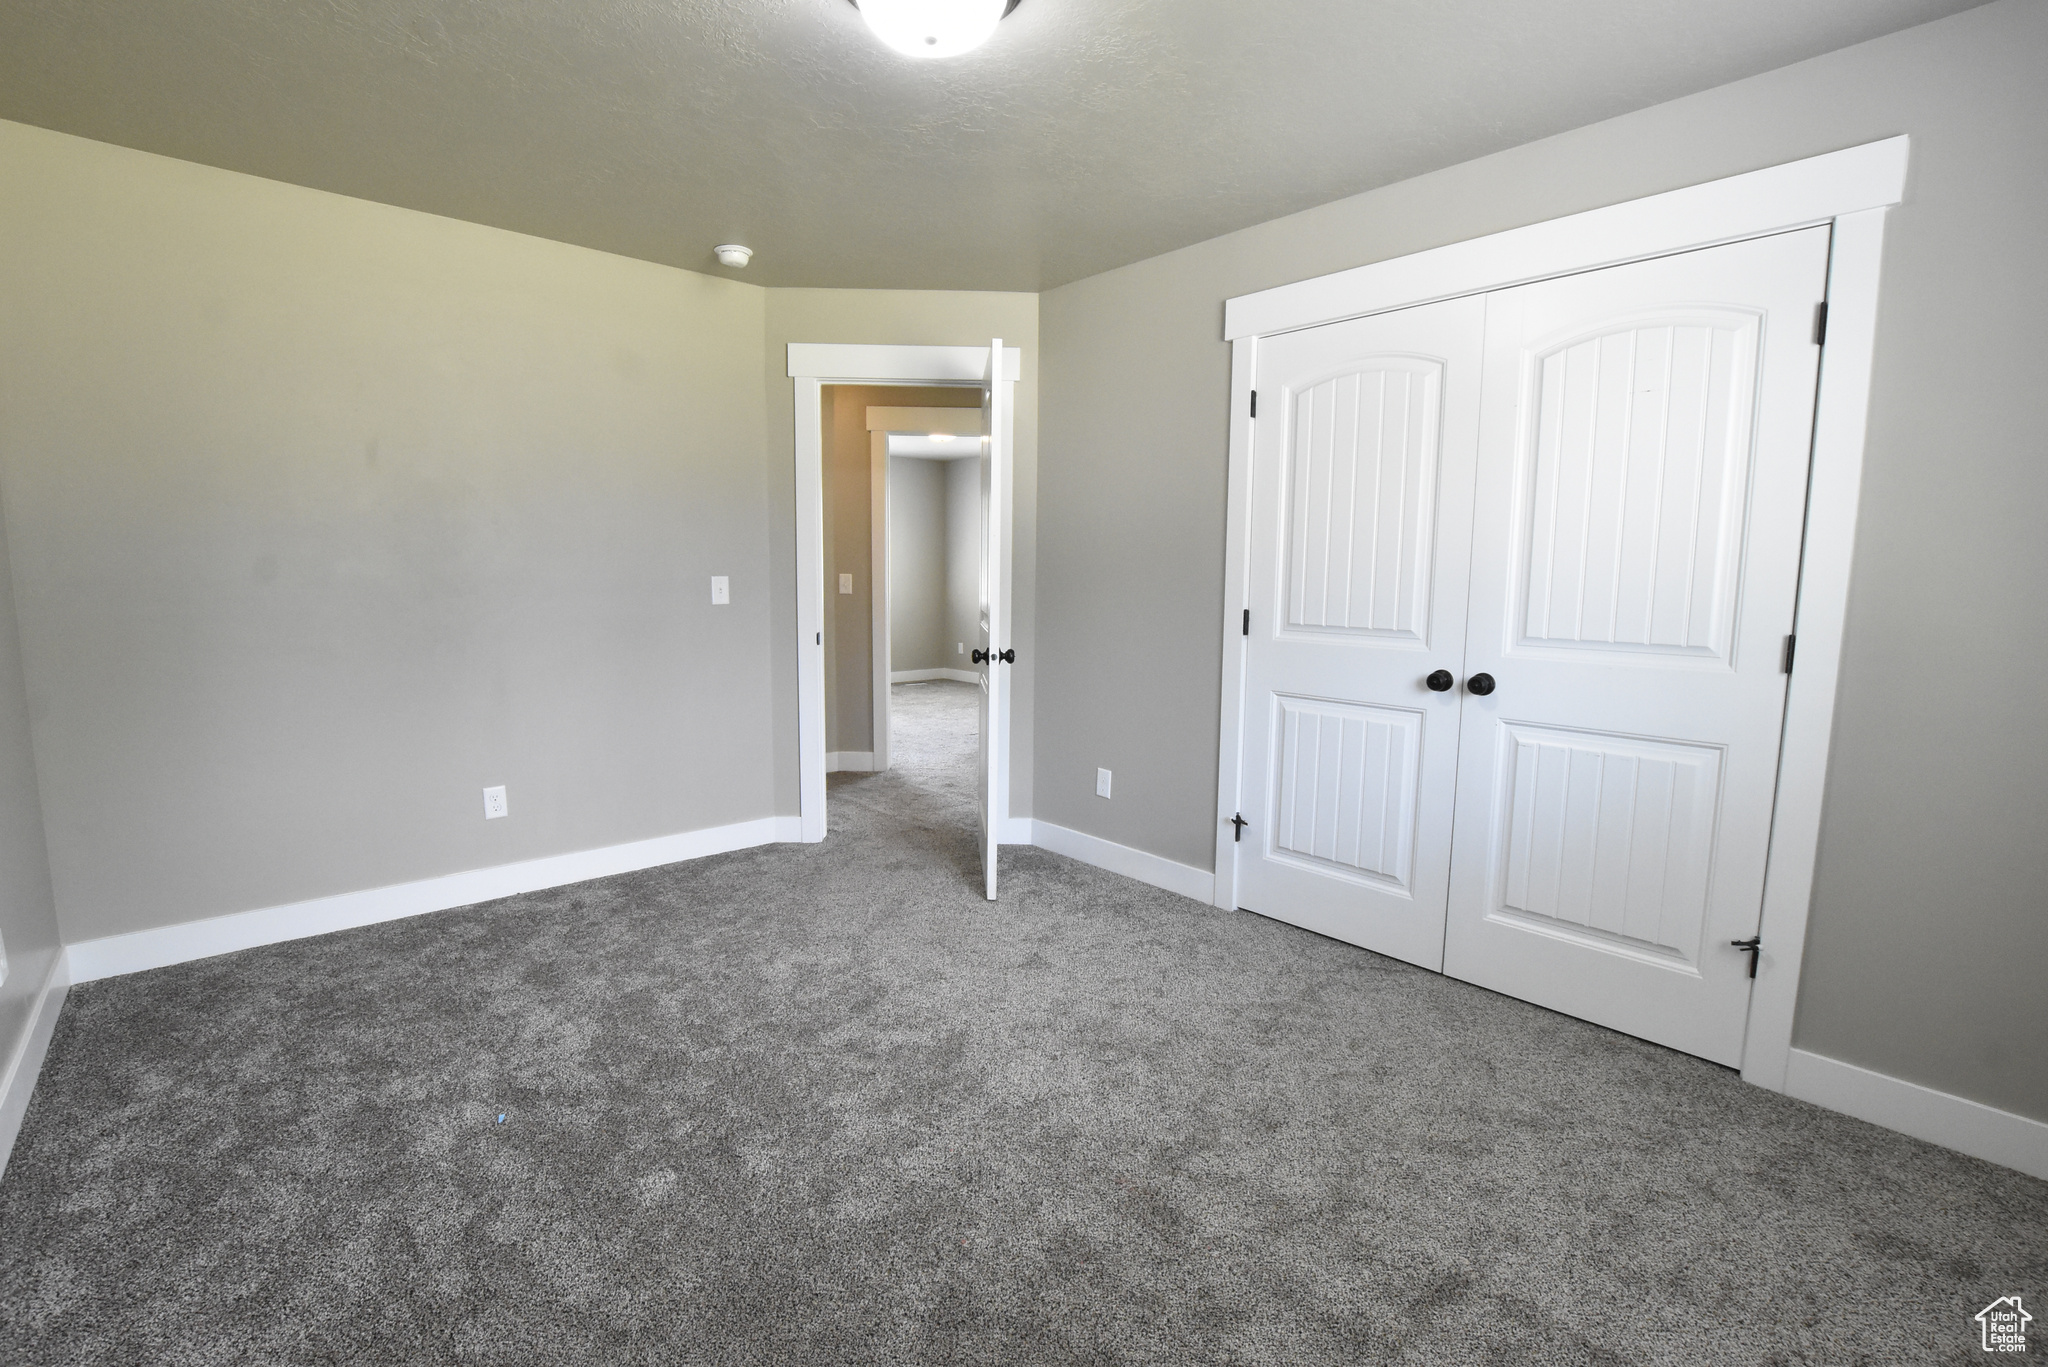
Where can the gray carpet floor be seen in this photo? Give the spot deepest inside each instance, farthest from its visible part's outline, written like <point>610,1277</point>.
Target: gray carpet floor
<point>824,1104</point>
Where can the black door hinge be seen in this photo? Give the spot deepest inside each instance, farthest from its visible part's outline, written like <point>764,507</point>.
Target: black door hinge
<point>1239,823</point>
<point>1255,403</point>
<point>1754,947</point>
<point>1791,645</point>
<point>1820,324</point>
<point>1247,621</point>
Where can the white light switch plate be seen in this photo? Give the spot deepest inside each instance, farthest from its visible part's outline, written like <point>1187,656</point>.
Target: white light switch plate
<point>494,802</point>
<point>846,583</point>
<point>1102,783</point>
<point>721,590</point>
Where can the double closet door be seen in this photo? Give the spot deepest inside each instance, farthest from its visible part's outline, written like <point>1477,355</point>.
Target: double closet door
<point>1521,582</point>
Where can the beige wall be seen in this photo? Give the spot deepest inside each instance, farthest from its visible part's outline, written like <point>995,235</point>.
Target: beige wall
<point>327,514</point>
<point>848,464</point>
<point>900,318</point>
<point>917,565</point>
<point>1929,939</point>
<point>28,911</point>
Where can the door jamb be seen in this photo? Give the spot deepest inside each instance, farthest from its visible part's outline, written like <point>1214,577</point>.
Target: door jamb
<point>1851,190</point>
<point>812,366</point>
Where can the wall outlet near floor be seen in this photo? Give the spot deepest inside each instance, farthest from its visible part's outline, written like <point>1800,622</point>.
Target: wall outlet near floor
<point>1102,783</point>
<point>494,802</point>
<point>846,583</point>
<point>721,591</point>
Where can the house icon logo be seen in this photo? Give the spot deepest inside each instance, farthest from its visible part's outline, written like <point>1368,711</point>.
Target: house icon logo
<point>2003,1324</point>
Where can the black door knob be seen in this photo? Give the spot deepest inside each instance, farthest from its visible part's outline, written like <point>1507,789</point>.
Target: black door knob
<point>1482,684</point>
<point>1440,682</point>
<point>1008,657</point>
<point>980,657</point>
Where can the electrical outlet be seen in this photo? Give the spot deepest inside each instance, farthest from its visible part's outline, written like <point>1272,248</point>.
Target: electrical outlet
<point>846,583</point>
<point>494,802</point>
<point>1102,783</point>
<point>721,590</point>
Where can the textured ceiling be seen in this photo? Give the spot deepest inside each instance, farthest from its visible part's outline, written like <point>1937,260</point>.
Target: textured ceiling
<point>1086,134</point>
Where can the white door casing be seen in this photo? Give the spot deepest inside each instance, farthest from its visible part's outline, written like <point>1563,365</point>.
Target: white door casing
<point>1361,498</point>
<point>811,366</point>
<point>992,768</point>
<point>1641,493</point>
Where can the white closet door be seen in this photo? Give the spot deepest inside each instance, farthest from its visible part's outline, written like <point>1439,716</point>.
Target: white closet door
<point>1362,462</point>
<point>1642,490</point>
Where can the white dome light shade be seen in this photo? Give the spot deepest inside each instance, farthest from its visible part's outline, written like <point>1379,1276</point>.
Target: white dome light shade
<point>932,28</point>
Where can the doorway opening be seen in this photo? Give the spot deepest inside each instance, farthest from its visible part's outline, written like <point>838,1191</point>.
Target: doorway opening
<point>832,423</point>
<point>905,579</point>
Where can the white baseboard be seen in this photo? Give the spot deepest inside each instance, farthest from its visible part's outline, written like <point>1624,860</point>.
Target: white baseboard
<point>1015,830</point>
<point>18,1084</point>
<point>850,762</point>
<point>1953,1122</point>
<point>966,676</point>
<point>144,949</point>
<point>1159,871</point>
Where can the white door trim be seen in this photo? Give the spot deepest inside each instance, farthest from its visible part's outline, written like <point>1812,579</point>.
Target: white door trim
<point>1849,189</point>
<point>1797,194</point>
<point>812,366</point>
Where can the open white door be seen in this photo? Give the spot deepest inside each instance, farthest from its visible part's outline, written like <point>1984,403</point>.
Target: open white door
<point>993,654</point>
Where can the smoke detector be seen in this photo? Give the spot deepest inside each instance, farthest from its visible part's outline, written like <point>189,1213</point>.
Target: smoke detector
<point>733,254</point>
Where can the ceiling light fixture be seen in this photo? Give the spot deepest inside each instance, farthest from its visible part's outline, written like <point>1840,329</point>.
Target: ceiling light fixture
<point>933,28</point>
<point>733,254</point>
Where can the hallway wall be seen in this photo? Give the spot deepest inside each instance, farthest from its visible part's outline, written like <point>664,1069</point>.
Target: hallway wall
<point>1927,944</point>
<point>917,564</point>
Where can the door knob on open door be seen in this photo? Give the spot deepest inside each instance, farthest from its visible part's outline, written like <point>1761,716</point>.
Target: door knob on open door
<point>1481,684</point>
<point>1440,682</point>
<point>980,657</point>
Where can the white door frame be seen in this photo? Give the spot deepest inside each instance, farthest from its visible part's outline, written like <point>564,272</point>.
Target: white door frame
<point>1850,190</point>
<point>812,366</point>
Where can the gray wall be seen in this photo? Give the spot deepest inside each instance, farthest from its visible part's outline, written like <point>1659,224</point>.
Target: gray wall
<point>964,533</point>
<point>917,564</point>
<point>28,911</point>
<point>899,318</point>
<point>327,514</point>
<point>1929,939</point>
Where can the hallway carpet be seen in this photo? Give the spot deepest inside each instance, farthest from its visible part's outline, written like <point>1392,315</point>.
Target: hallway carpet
<point>825,1105</point>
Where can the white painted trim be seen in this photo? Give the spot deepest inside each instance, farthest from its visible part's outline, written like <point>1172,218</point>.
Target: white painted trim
<point>810,607</point>
<point>878,597</point>
<point>18,1085</point>
<point>850,762</point>
<point>1236,600</point>
<point>1015,830</point>
<point>1795,195</point>
<point>966,676</point>
<point>1159,871</point>
<point>1849,190</point>
<point>188,940</point>
<point>844,363</point>
<point>1841,408</point>
<point>811,367</point>
<point>1954,1122</point>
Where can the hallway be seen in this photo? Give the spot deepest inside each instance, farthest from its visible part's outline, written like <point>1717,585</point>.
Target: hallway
<point>823,1103</point>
